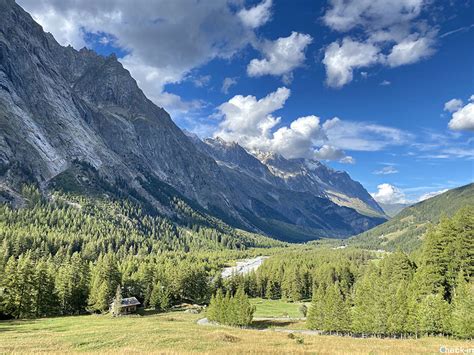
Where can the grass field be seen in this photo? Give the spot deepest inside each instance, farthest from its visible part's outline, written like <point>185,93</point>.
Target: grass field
<point>177,332</point>
<point>276,308</point>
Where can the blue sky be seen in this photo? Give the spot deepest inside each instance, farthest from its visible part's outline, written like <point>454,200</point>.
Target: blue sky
<point>381,88</point>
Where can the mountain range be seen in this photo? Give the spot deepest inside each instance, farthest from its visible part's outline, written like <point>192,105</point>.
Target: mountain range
<point>77,121</point>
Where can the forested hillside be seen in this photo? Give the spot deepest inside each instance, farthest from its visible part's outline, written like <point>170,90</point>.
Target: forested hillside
<point>406,229</point>
<point>356,292</point>
<point>68,254</point>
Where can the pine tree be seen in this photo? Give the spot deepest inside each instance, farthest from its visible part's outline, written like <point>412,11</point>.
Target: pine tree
<point>462,319</point>
<point>366,308</point>
<point>104,282</point>
<point>215,310</point>
<point>18,285</point>
<point>160,298</point>
<point>244,310</point>
<point>316,315</point>
<point>433,315</point>
<point>46,301</point>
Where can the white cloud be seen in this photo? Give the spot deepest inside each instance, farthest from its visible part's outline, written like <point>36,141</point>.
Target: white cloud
<point>385,83</point>
<point>281,57</point>
<point>453,105</point>
<point>256,16</point>
<point>298,140</point>
<point>389,33</point>
<point>201,81</point>
<point>463,116</point>
<point>340,59</point>
<point>227,83</point>
<point>344,15</point>
<point>410,51</point>
<point>65,29</point>
<point>246,118</point>
<point>328,152</point>
<point>251,123</point>
<point>363,136</point>
<point>386,170</point>
<point>431,194</point>
<point>165,39</point>
<point>387,193</point>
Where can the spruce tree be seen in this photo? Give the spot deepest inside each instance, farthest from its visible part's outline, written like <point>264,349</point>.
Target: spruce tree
<point>433,315</point>
<point>462,318</point>
<point>160,298</point>
<point>46,301</point>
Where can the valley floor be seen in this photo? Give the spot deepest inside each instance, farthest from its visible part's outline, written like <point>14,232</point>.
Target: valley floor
<point>178,332</point>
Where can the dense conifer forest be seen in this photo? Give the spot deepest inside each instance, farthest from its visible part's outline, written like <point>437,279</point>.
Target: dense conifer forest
<point>68,255</point>
<point>430,292</point>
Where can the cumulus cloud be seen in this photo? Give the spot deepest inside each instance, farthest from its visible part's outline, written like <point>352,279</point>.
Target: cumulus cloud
<point>385,83</point>
<point>256,16</point>
<point>386,170</point>
<point>281,57</point>
<point>246,118</point>
<point>298,140</point>
<point>389,194</point>
<point>164,40</point>
<point>453,105</point>
<point>227,83</point>
<point>251,122</point>
<point>431,194</point>
<point>410,51</point>
<point>342,58</point>
<point>462,116</point>
<point>389,33</point>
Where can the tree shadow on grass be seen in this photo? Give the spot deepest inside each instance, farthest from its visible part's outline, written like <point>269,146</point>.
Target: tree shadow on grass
<point>268,323</point>
<point>12,324</point>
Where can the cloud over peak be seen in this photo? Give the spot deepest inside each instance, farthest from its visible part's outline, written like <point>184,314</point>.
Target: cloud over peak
<point>165,40</point>
<point>389,194</point>
<point>251,122</point>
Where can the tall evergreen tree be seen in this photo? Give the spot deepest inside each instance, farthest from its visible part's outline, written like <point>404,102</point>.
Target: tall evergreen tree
<point>462,319</point>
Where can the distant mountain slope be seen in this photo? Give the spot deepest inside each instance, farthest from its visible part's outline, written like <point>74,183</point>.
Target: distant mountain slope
<point>392,209</point>
<point>301,175</point>
<point>405,230</point>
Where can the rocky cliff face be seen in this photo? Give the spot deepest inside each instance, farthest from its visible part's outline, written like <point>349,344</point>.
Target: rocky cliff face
<point>301,175</point>
<point>59,106</point>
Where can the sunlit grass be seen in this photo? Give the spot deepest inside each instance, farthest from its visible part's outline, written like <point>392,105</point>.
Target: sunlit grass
<point>178,332</point>
<point>276,308</point>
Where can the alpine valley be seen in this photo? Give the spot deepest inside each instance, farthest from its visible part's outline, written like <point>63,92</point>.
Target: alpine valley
<point>75,121</point>
<point>121,232</point>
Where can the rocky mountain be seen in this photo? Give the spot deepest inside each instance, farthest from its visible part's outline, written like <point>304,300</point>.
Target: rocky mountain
<point>405,230</point>
<point>78,121</point>
<point>301,175</point>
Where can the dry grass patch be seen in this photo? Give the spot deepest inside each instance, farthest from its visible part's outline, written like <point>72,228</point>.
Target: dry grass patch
<point>224,337</point>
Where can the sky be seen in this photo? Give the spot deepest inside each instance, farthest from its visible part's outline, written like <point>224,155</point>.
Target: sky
<point>383,89</point>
